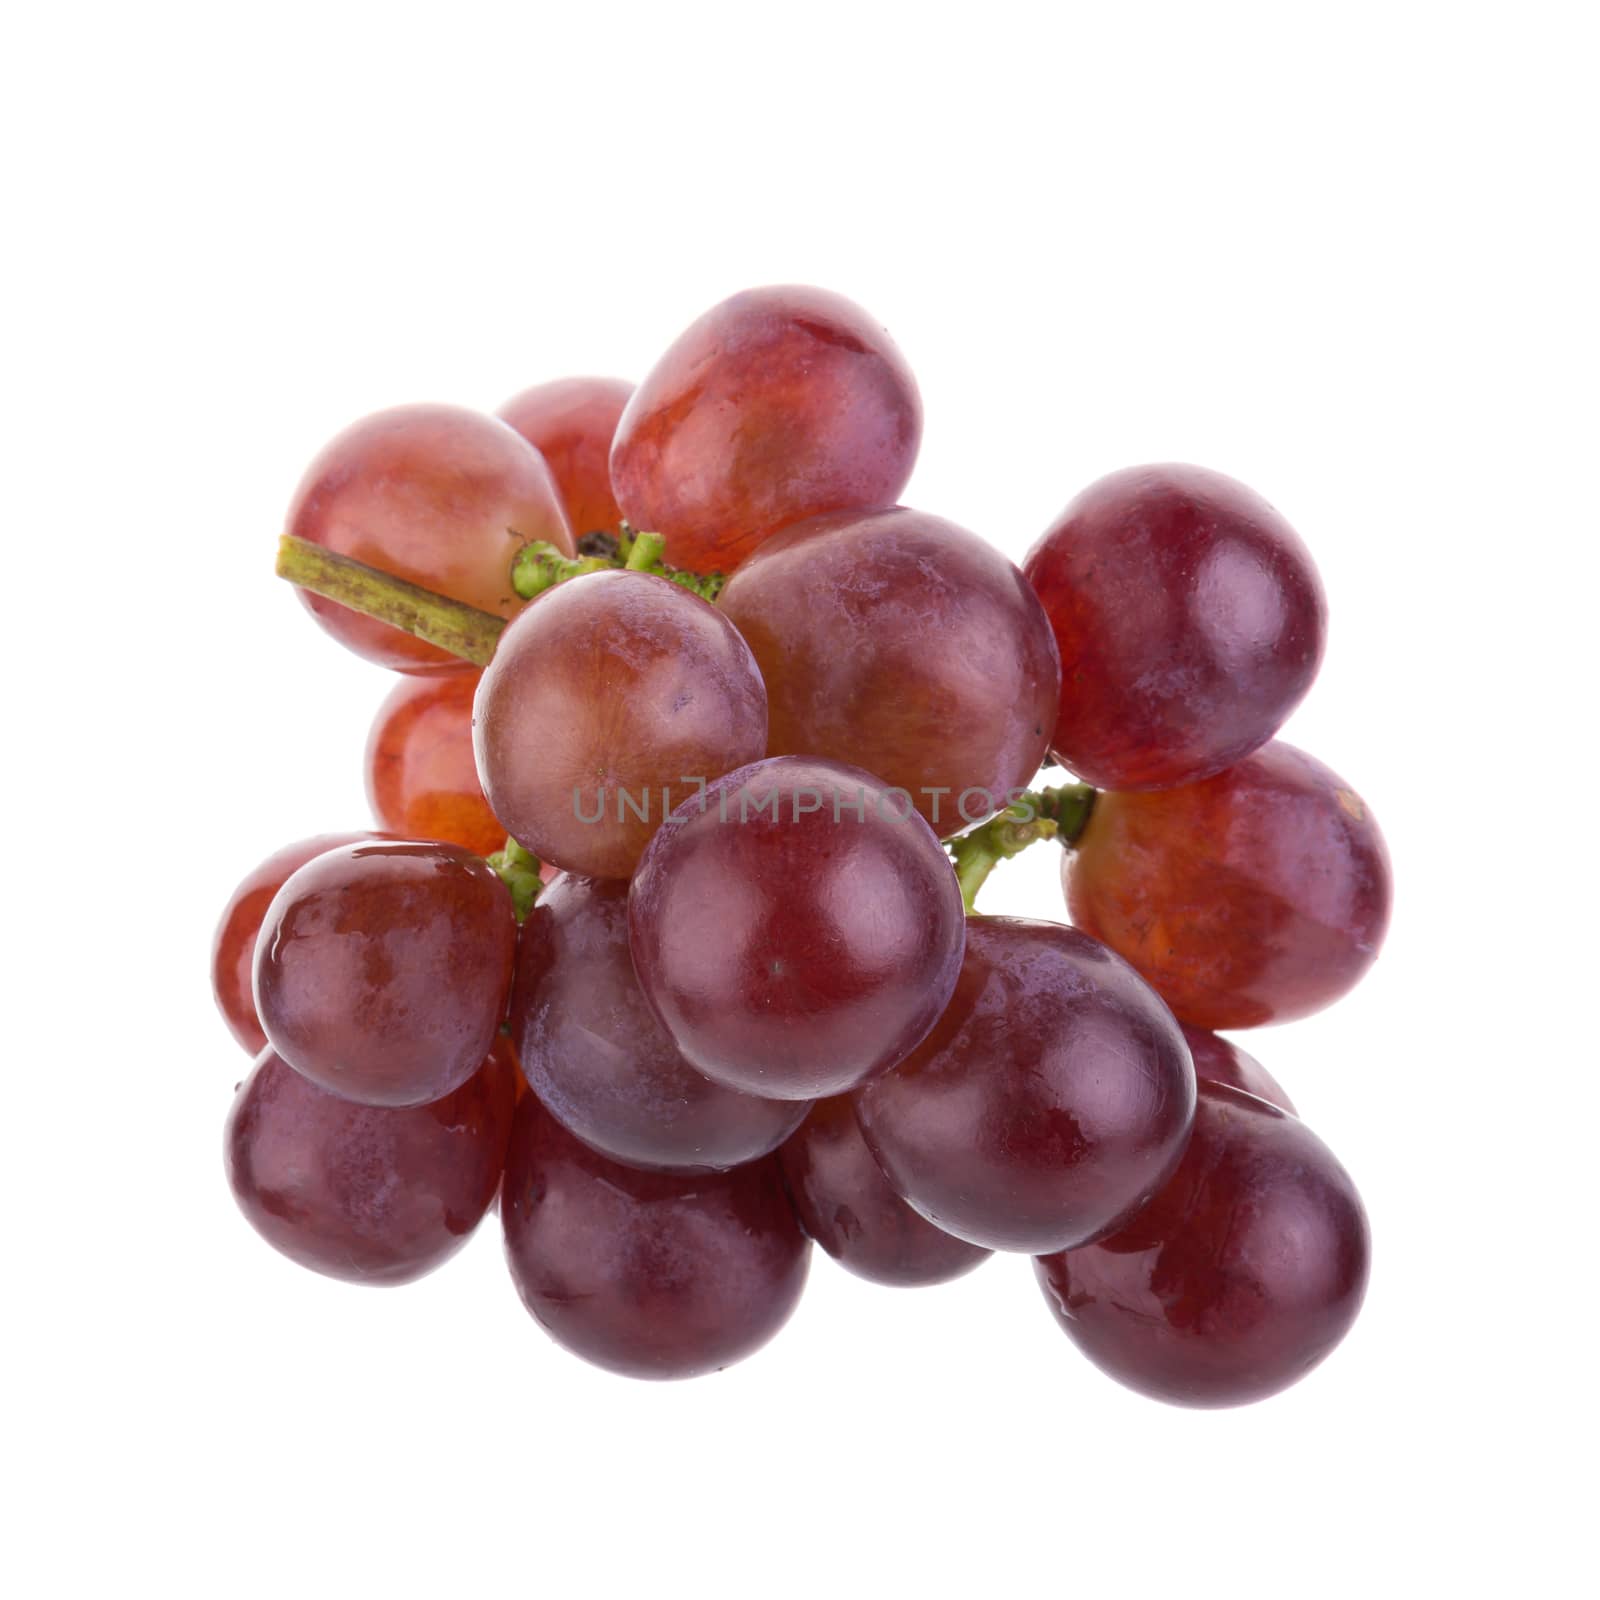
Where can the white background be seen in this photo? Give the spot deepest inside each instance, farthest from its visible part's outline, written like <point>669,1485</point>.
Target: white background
<point>1340,252</point>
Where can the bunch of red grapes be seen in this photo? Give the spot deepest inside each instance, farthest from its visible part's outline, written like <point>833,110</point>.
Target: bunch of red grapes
<point>666,937</point>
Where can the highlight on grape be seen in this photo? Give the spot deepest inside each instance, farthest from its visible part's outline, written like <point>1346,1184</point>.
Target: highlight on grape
<point>679,1029</point>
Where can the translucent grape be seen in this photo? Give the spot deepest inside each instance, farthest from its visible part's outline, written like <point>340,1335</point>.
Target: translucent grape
<point>595,1054</point>
<point>845,1203</point>
<point>1050,1101</point>
<point>1241,1275</point>
<point>795,931</point>
<point>605,700</point>
<point>1259,895</point>
<point>1190,621</point>
<point>383,970</point>
<point>571,423</point>
<point>421,774</point>
<point>1219,1060</point>
<point>902,644</point>
<point>777,405</point>
<point>233,946</point>
<point>370,1194</point>
<point>438,495</point>
<point>650,1274</point>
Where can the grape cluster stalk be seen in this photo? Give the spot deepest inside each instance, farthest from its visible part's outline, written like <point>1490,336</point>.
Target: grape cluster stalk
<point>666,941</point>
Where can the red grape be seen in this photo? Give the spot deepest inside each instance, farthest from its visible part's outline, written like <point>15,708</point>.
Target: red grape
<point>504,1047</point>
<point>371,1194</point>
<point>1050,1101</point>
<point>1239,1276</point>
<point>606,699</point>
<point>651,1274</point>
<point>233,946</point>
<point>422,776</point>
<point>903,644</point>
<point>1218,1060</point>
<point>382,970</point>
<point>595,1054</point>
<point>795,931</point>
<point>571,423</point>
<point>777,405</point>
<point>1190,621</point>
<point>435,494</point>
<point>845,1203</point>
<point>1258,895</point>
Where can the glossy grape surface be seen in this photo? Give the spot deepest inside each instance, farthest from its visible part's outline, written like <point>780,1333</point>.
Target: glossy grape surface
<point>846,1205</point>
<point>1218,1060</point>
<point>1240,1275</point>
<point>382,970</point>
<point>571,423</point>
<point>1051,1100</point>
<point>650,1274</point>
<point>233,945</point>
<point>1190,621</point>
<point>370,1194</point>
<point>439,495</point>
<point>905,645</point>
<point>605,699</point>
<point>792,948</point>
<point>777,405</point>
<point>1259,895</point>
<point>421,774</point>
<point>595,1054</point>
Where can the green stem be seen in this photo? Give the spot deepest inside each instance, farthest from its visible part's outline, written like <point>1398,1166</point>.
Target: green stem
<point>519,871</point>
<point>645,553</point>
<point>1059,813</point>
<point>540,566</point>
<point>707,585</point>
<point>452,625</point>
<point>1070,805</point>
